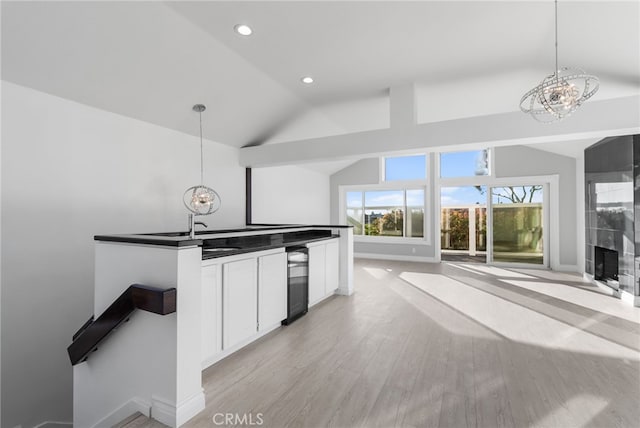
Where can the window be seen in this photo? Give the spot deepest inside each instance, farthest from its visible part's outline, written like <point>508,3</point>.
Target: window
<point>405,168</point>
<point>390,213</point>
<point>464,164</point>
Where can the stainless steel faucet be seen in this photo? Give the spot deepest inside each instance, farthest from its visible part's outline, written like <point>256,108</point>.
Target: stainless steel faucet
<point>192,225</point>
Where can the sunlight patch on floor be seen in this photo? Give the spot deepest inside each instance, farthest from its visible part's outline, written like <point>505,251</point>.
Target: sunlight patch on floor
<point>514,321</point>
<point>457,266</point>
<point>377,273</point>
<point>496,271</point>
<point>552,275</point>
<point>585,298</point>
<point>582,408</point>
<point>458,325</point>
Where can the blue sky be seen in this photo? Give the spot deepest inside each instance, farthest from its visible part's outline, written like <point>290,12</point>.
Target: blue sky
<point>462,164</point>
<point>406,168</point>
<point>454,196</point>
<point>454,164</point>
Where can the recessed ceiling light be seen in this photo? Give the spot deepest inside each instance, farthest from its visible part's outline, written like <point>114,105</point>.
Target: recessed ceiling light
<point>243,29</point>
<point>307,79</point>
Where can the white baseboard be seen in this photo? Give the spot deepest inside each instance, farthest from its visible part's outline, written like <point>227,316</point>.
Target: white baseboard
<point>173,415</point>
<point>344,291</point>
<point>567,268</point>
<point>121,413</point>
<point>163,410</point>
<point>190,407</point>
<point>395,257</point>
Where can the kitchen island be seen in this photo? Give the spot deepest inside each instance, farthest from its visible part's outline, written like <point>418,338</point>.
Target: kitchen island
<point>231,288</point>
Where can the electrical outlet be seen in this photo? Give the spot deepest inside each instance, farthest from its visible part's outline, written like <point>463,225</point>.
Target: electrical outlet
<point>413,250</point>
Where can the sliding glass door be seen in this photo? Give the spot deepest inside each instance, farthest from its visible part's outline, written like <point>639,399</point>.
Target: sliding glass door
<point>517,219</point>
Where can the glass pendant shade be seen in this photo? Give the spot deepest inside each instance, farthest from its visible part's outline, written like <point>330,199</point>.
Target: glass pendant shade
<point>201,200</point>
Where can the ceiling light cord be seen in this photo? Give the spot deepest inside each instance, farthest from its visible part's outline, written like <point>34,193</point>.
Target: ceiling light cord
<point>556,15</point>
<point>200,199</point>
<point>201,151</point>
<point>561,93</point>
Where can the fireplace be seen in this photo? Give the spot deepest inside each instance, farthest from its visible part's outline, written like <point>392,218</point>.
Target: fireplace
<point>605,265</point>
<point>612,214</point>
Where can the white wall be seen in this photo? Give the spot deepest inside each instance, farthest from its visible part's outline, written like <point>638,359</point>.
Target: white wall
<point>70,172</point>
<point>290,194</point>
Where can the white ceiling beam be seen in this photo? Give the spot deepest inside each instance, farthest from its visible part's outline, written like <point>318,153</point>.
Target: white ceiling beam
<point>595,119</point>
<point>402,106</point>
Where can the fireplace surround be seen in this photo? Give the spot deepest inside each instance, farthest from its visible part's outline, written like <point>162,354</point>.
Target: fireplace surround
<point>612,210</point>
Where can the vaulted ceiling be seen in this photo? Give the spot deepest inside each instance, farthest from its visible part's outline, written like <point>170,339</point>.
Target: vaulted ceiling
<point>153,60</point>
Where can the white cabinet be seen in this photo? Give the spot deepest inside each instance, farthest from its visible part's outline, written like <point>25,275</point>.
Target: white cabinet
<point>244,296</point>
<point>272,290</point>
<point>317,274</point>
<point>240,301</point>
<point>332,268</point>
<point>211,311</point>
<point>324,269</point>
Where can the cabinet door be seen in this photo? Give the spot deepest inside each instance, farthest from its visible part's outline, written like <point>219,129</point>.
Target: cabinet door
<point>240,301</point>
<point>316,273</point>
<point>272,290</point>
<point>332,271</point>
<point>211,311</point>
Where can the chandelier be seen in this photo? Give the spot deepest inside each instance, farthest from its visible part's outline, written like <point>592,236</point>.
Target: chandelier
<point>200,199</point>
<point>560,93</point>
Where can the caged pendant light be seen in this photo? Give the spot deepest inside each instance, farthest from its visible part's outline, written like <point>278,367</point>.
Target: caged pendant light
<point>560,93</point>
<point>200,199</point>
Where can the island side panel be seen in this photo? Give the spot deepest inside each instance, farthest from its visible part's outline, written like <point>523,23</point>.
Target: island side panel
<point>137,367</point>
<point>346,260</point>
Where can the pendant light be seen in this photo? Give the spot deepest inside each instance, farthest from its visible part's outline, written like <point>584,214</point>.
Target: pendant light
<point>200,199</point>
<point>560,93</point>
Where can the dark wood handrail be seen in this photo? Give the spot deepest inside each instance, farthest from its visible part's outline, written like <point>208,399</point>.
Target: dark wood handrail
<point>94,332</point>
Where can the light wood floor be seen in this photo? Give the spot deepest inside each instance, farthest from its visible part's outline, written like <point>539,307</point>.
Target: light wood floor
<point>449,345</point>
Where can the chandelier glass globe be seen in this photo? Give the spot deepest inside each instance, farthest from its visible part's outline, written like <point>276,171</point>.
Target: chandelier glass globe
<point>559,94</point>
<point>201,200</point>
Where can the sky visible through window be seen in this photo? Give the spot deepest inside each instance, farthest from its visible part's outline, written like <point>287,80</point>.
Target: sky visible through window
<point>405,168</point>
<point>464,164</point>
<point>472,195</point>
<point>453,164</point>
<point>462,196</point>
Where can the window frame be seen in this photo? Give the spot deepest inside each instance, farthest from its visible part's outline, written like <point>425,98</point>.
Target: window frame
<point>399,185</point>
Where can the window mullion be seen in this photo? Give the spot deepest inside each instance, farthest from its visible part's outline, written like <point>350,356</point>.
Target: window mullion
<point>404,214</point>
<point>363,216</point>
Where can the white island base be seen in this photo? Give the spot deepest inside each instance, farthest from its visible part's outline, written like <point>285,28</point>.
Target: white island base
<point>152,364</point>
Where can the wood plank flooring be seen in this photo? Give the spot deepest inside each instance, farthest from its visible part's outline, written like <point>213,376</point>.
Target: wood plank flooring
<point>441,345</point>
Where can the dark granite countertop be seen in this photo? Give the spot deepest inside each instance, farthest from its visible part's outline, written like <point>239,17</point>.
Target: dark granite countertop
<point>228,251</point>
<point>247,242</point>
